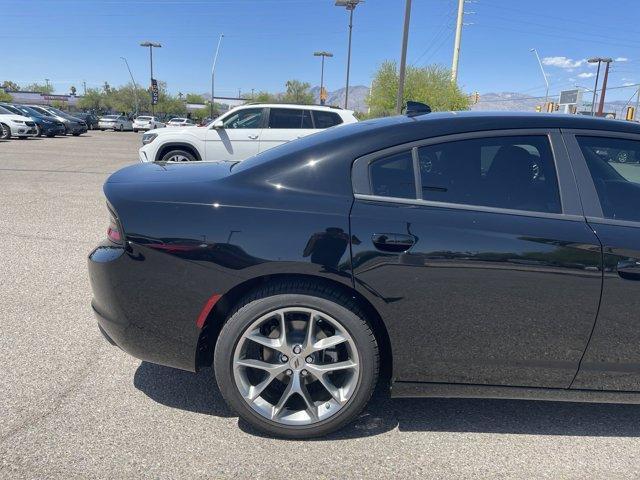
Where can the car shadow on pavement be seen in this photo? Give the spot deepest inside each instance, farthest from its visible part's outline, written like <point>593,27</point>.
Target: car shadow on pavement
<point>198,392</point>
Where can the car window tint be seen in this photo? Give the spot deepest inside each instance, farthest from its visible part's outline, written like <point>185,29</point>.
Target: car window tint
<point>505,172</point>
<point>324,119</point>
<point>614,164</point>
<point>289,118</point>
<point>393,176</point>
<point>246,118</point>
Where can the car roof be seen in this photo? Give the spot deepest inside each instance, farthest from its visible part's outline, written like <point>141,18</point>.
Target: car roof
<point>326,108</point>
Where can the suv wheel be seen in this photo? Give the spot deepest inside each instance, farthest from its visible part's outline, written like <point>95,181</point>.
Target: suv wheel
<point>297,360</point>
<point>178,156</point>
<point>5,132</point>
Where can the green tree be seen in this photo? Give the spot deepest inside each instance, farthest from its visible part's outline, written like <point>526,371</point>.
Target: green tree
<point>298,92</point>
<point>38,87</point>
<point>194,98</point>
<point>265,97</point>
<point>11,86</point>
<point>95,100</point>
<point>431,85</point>
<point>5,97</point>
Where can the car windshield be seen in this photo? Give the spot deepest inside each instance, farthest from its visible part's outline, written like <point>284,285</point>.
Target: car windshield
<point>28,110</point>
<point>178,120</point>
<point>4,111</point>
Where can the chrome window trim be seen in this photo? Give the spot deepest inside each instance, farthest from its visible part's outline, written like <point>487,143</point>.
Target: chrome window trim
<point>463,206</point>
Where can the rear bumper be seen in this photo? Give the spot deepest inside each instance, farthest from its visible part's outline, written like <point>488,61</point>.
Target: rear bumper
<point>129,314</point>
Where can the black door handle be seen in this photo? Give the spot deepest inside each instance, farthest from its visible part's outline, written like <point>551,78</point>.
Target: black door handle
<point>393,242</point>
<point>629,269</point>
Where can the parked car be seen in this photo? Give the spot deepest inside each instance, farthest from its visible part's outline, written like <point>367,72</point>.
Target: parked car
<point>145,122</point>
<point>241,133</point>
<point>180,122</point>
<point>73,126</point>
<point>459,254</point>
<point>89,118</point>
<point>13,125</point>
<point>44,125</point>
<point>115,122</point>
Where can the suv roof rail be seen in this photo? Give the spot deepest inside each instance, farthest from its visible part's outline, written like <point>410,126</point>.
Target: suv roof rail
<point>416,108</point>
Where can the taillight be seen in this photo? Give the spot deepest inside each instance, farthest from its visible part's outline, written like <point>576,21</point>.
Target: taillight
<point>114,232</point>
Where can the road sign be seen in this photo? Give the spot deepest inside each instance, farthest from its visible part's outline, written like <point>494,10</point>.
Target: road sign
<point>154,91</point>
<point>323,94</point>
<point>570,97</point>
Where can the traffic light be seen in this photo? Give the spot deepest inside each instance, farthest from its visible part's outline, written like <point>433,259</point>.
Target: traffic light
<point>631,113</point>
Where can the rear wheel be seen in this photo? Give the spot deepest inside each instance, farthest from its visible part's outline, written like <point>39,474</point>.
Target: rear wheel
<point>5,132</point>
<point>297,360</point>
<point>38,131</point>
<point>178,156</point>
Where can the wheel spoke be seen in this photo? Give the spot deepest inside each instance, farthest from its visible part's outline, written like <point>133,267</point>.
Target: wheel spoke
<point>288,391</point>
<point>272,343</point>
<point>328,386</point>
<point>329,342</point>
<point>308,342</point>
<point>256,390</point>
<point>283,329</point>
<point>331,367</point>
<point>312,410</point>
<point>273,368</point>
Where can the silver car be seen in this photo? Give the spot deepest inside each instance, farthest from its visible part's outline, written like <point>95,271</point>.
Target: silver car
<point>118,123</point>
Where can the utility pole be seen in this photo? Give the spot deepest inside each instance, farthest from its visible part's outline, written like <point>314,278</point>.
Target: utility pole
<point>350,6</point>
<point>604,85</point>
<point>46,80</point>
<point>458,40</point>
<point>135,87</point>
<point>597,60</point>
<point>546,80</point>
<point>151,46</point>
<point>403,56</point>
<point>84,86</point>
<point>322,54</point>
<point>213,74</point>
<point>635,112</point>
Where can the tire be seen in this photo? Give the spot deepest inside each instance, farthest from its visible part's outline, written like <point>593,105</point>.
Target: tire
<point>121,128</point>
<point>50,135</point>
<point>76,134</point>
<point>325,304</point>
<point>135,130</point>
<point>178,156</point>
<point>38,131</point>
<point>5,132</point>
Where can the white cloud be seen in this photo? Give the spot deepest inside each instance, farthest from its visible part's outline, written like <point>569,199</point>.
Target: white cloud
<point>586,75</point>
<point>629,84</point>
<point>562,62</point>
<point>622,59</point>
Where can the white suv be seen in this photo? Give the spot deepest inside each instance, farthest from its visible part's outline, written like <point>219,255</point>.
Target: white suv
<point>147,123</point>
<point>240,133</point>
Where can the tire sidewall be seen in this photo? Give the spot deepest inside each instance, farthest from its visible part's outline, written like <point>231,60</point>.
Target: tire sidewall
<point>5,132</point>
<point>184,153</point>
<point>245,316</point>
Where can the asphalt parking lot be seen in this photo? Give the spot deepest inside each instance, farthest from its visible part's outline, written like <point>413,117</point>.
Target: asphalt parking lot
<point>72,406</point>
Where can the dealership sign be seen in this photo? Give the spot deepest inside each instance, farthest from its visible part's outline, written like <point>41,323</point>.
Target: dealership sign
<point>154,91</point>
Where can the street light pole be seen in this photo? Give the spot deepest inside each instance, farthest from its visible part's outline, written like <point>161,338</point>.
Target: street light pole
<point>595,88</point>
<point>213,73</point>
<point>135,87</point>
<point>322,54</point>
<point>403,57</point>
<point>350,6</point>
<point>546,80</point>
<point>151,46</point>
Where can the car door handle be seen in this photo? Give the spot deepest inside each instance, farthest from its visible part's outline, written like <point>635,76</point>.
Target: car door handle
<point>253,137</point>
<point>629,269</point>
<point>393,242</point>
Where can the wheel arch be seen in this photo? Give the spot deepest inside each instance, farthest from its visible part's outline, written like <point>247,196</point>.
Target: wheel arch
<point>164,149</point>
<point>219,314</point>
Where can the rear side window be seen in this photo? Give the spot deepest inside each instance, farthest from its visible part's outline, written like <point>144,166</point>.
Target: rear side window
<point>289,118</point>
<point>392,176</point>
<point>324,119</point>
<point>504,172</point>
<point>614,164</point>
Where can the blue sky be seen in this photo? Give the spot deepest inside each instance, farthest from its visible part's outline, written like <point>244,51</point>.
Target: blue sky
<point>269,41</point>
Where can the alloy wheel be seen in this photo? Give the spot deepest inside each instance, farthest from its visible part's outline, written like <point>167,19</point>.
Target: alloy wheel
<point>296,366</point>
<point>178,158</point>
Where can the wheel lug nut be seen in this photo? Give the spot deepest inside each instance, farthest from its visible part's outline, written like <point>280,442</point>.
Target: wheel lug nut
<point>284,358</point>
<point>289,372</point>
<point>309,359</point>
<point>304,373</point>
<point>297,349</point>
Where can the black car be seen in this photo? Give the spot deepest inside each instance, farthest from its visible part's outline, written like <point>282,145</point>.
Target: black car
<point>46,126</point>
<point>73,126</point>
<point>89,118</point>
<point>456,254</point>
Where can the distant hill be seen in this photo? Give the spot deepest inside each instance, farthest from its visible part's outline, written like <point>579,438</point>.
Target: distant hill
<point>357,97</point>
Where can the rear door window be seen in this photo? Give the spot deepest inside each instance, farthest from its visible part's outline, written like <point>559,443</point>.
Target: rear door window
<point>392,176</point>
<point>614,164</point>
<point>324,119</point>
<point>289,118</point>
<point>512,172</point>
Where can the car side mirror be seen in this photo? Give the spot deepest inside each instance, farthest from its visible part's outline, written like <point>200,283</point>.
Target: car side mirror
<point>218,124</point>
